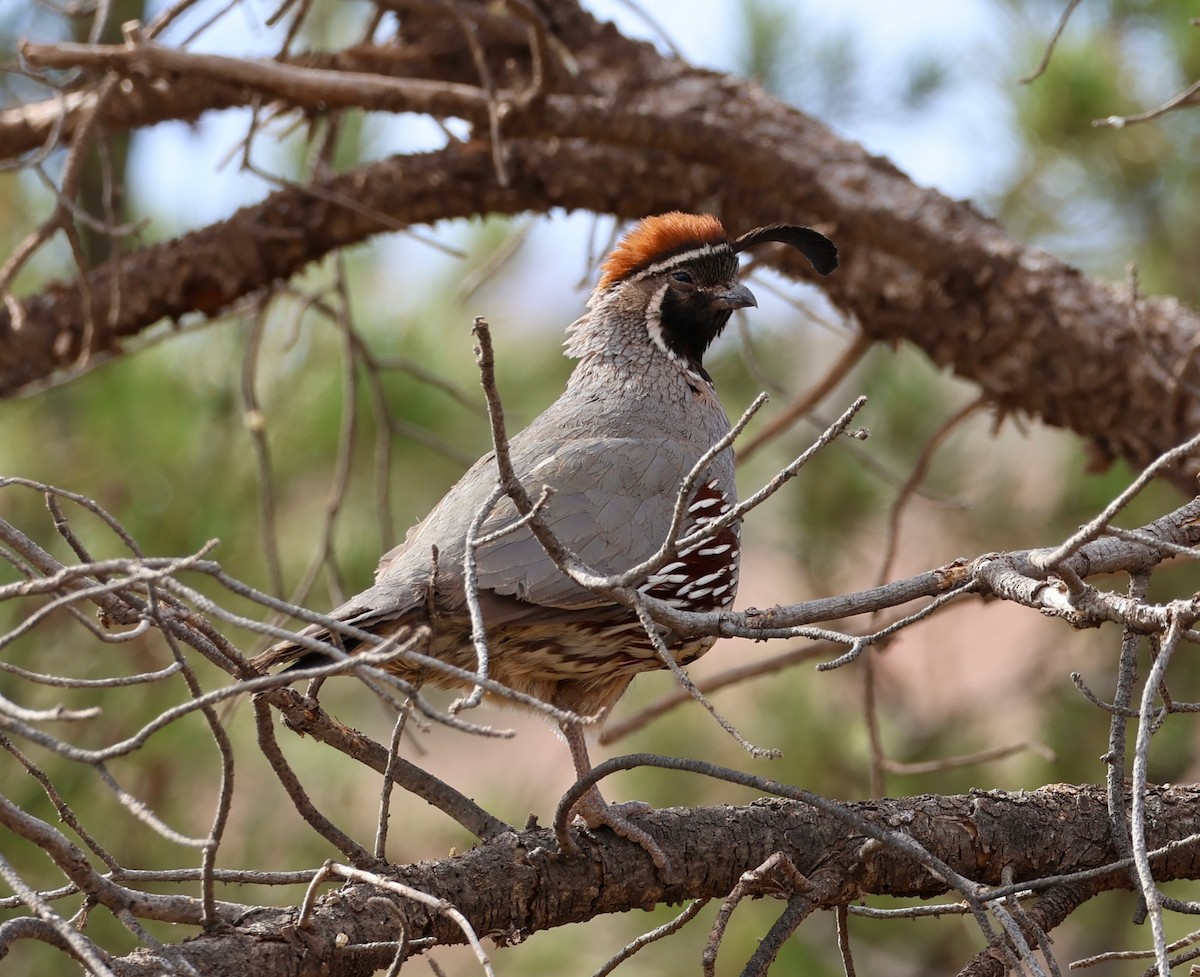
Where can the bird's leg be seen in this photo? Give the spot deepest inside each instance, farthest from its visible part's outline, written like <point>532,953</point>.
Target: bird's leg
<point>596,811</point>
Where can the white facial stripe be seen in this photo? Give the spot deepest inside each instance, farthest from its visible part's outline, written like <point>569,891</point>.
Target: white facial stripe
<point>654,320</point>
<point>682,258</point>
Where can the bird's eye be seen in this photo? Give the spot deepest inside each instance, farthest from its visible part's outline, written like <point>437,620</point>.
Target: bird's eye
<point>683,276</point>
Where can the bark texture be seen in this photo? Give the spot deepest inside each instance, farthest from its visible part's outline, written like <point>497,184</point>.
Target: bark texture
<point>617,127</point>
<point>1056,830</point>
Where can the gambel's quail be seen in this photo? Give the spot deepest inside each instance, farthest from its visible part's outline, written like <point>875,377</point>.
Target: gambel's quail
<point>638,413</point>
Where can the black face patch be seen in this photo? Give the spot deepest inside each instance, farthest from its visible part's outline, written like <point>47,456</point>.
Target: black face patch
<point>690,323</point>
<point>690,316</point>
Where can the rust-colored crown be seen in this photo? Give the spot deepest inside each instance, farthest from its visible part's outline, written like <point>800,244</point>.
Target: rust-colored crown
<point>656,238</point>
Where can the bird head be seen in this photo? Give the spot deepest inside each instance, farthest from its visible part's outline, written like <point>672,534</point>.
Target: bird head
<point>672,283</point>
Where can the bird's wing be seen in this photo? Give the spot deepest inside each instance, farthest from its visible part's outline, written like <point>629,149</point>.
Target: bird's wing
<point>612,499</point>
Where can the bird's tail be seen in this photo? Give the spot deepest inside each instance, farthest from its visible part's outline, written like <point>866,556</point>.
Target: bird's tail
<point>297,656</point>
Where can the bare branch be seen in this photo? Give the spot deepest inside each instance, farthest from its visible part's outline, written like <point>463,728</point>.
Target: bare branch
<point>661,932</point>
<point>291,84</point>
<point>438,905</point>
<point>781,156</point>
<point>1185,99</point>
<point>1051,44</point>
<point>541,107</point>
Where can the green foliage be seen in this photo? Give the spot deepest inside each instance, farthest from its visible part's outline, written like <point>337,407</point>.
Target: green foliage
<point>1104,196</point>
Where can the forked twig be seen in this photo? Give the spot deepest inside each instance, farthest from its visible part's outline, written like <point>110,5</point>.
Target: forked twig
<point>1050,559</point>
<point>777,875</point>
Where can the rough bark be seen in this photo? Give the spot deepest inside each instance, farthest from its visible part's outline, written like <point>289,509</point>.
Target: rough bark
<point>1035,835</point>
<point>629,131</point>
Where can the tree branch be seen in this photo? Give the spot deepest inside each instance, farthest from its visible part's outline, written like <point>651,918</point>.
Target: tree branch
<point>917,266</point>
<point>981,832</point>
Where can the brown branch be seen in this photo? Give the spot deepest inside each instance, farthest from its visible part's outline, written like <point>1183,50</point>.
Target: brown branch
<point>148,97</point>
<point>305,716</point>
<point>208,270</point>
<point>1044,63</point>
<point>984,834</point>
<point>291,84</point>
<point>918,266</point>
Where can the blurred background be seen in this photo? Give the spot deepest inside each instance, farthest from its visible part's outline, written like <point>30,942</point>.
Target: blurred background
<point>161,440</point>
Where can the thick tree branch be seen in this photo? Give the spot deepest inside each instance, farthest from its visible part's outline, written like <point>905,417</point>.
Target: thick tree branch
<point>209,269</point>
<point>918,266</point>
<point>1032,834</point>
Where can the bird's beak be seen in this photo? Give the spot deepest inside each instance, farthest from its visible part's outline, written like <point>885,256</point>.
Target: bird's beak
<point>737,297</point>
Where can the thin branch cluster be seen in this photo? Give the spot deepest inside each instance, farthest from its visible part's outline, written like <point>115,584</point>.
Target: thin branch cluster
<point>136,595</point>
<point>559,108</point>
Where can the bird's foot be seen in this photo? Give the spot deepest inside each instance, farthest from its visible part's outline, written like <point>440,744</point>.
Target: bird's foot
<point>596,812</point>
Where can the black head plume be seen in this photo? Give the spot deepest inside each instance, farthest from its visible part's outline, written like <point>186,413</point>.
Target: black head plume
<point>816,247</point>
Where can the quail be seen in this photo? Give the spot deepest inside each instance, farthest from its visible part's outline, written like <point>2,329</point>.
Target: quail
<point>637,414</point>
